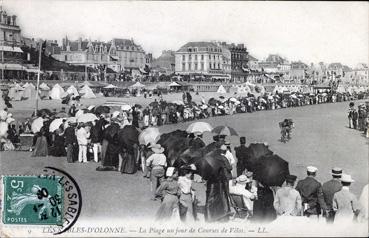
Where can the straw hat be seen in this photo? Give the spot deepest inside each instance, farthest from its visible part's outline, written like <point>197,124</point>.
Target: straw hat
<point>157,148</point>
<point>242,179</point>
<point>347,178</point>
<point>311,169</point>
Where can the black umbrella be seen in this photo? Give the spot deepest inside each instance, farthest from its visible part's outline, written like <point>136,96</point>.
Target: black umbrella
<point>44,112</point>
<point>209,166</point>
<point>102,109</point>
<point>138,106</point>
<point>258,150</point>
<point>212,101</point>
<point>271,170</point>
<point>154,104</point>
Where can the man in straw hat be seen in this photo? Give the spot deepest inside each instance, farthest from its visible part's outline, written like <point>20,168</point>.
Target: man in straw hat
<point>345,203</point>
<point>312,195</point>
<point>287,200</point>
<point>329,189</point>
<point>158,162</point>
<point>240,189</point>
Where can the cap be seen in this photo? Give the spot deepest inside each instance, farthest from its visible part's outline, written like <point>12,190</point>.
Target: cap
<point>170,171</point>
<point>311,169</point>
<point>336,171</point>
<point>291,178</point>
<point>243,140</point>
<point>347,178</point>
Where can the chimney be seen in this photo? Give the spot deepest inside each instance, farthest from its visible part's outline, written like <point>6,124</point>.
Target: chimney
<point>79,43</point>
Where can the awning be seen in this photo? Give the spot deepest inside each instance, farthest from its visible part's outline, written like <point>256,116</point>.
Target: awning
<point>12,67</point>
<point>32,70</point>
<point>10,49</point>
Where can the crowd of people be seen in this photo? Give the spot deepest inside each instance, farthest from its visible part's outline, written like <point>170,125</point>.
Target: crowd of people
<point>359,119</point>
<point>98,140</point>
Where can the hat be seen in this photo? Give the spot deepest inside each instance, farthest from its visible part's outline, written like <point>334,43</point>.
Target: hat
<point>187,168</point>
<point>346,178</point>
<point>249,174</point>
<point>9,120</point>
<point>227,143</point>
<point>90,107</point>
<point>170,171</point>
<point>311,169</point>
<point>291,178</point>
<point>223,147</point>
<point>336,171</point>
<point>242,140</point>
<point>156,148</point>
<point>197,133</point>
<point>242,179</point>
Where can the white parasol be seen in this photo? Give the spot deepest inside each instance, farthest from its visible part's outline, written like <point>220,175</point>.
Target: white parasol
<point>37,124</point>
<point>87,117</point>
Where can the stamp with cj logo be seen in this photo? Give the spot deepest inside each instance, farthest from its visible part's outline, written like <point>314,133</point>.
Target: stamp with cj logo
<point>32,200</point>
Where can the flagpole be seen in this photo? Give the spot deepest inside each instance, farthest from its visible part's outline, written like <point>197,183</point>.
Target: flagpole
<point>38,77</point>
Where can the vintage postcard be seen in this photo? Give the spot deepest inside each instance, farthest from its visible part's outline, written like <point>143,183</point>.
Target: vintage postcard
<point>184,118</point>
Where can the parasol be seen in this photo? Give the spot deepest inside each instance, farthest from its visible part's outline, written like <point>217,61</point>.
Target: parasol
<point>55,124</point>
<point>37,124</point>
<point>258,150</point>
<point>271,170</point>
<point>199,127</point>
<point>125,107</point>
<point>149,135</point>
<point>178,102</point>
<point>225,130</point>
<point>87,117</point>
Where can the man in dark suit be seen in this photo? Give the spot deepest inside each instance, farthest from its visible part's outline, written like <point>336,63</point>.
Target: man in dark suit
<point>71,142</point>
<point>243,156</point>
<point>329,189</point>
<point>311,194</point>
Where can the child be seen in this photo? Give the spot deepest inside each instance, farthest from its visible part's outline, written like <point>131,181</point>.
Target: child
<point>169,191</point>
<point>187,196</point>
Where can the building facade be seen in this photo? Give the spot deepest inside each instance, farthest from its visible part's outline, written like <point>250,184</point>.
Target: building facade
<point>239,60</point>
<point>357,76</point>
<point>298,72</point>
<point>130,55</point>
<point>200,58</point>
<point>10,42</point>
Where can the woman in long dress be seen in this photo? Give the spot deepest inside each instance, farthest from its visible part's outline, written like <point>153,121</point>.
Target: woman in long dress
<point>186,199</point>
<point>41,149</point>
<point>169,191</point>
<point>129,158</point>
<point>59,147</point>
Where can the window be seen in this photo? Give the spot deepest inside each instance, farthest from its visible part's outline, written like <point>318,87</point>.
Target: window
<point>183,67</point>
<point>202,57</point>
<point>189,57</point>
<point>195,66</point>
<point>214,66</point>
<point>214,57</point>
<point>195,57</point>
<point>209,57</point>
<point>183,57</point>
<point>218,66</point>
<point>189,66</point>
<point>202,66</point>
<point>209,65</point>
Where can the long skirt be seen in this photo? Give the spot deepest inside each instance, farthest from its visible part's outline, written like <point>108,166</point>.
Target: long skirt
<point>217,206</point>
<point>186,210</point>
<point>168,208</point>
<point>41,147</point>
<point>129,165</point>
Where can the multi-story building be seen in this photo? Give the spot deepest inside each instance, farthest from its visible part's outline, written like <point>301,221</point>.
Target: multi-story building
<point>358,76</point>
<point>298,72</point>
<point>165,62</point>
<point>87,53</point>
<point>10,42</point>
<point>253,63</point>
<point>205,58</point>
<point>130,55</point>
<point>239,60</point>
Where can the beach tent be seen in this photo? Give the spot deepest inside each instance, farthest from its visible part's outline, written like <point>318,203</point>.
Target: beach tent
<point>87,92</point>
<point>29,91</point>
<point>44,87</point>
<point>56,92</point>
<point>221,89</point>
<point>72,90</point>
<point>16,92</point>
<point>137,85</point>
<point>341,89</point>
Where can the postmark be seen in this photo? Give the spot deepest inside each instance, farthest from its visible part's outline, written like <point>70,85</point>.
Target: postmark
<point>32,200</point>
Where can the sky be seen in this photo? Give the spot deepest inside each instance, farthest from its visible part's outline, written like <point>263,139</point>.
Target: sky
<point>306,31</point>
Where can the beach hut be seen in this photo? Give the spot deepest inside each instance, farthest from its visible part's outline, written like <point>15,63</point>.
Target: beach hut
<point>221,89</point>
<point>56,92</point>
<point>29,91</point>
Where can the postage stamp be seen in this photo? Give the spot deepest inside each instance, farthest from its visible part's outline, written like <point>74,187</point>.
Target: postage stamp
<point>32,200</point>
